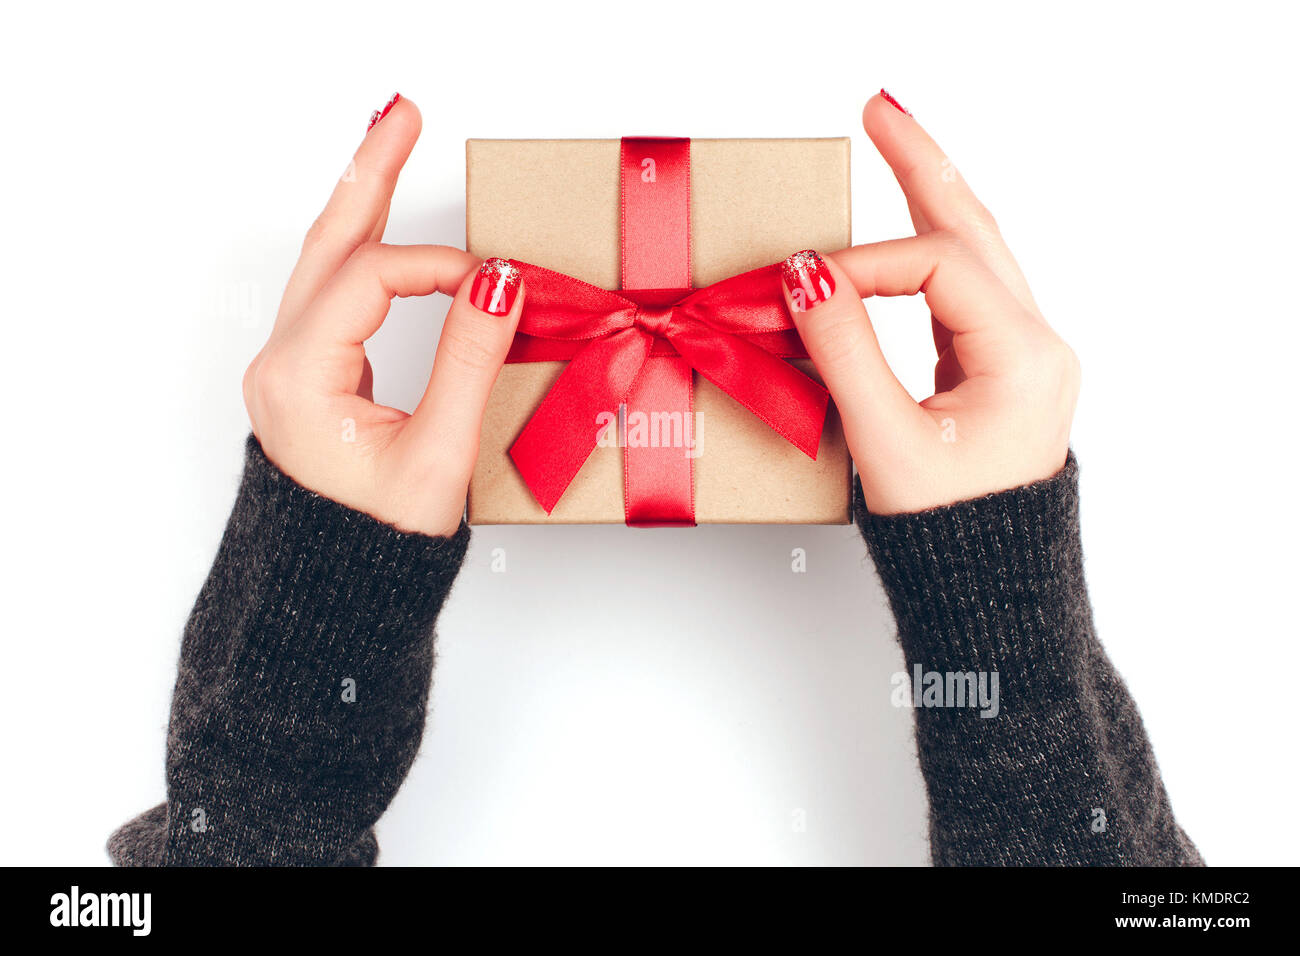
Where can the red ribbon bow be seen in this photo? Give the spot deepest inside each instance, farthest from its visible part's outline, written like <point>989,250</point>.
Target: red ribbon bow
<point>622,347</point>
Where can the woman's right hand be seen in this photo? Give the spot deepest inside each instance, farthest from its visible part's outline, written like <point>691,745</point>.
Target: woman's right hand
<point>1005,383</point>
<point>309,390</point>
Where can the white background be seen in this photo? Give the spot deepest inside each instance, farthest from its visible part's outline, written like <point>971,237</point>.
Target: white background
<point>619,695</point>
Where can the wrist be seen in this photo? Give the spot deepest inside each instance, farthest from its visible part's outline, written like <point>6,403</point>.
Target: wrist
<point>953,472</point>
<point>966,580</point>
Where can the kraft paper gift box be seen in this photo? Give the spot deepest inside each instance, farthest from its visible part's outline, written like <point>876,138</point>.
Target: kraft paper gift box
<point>556,204</point>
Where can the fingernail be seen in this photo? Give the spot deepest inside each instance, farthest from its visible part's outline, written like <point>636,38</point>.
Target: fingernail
<point>809,281</point>
<point>377,115</point>
<point>889,98</point>
<point>495,286</point>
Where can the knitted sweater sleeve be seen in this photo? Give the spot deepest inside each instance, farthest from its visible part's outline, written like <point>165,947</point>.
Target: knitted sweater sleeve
<point>304,673</point>
<point>1056,769</point>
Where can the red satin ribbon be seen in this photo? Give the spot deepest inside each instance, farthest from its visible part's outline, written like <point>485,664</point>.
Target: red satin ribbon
<point>633,353</point>
<point>656,213</point>
<point>736,333</point>
<point>658,480</point>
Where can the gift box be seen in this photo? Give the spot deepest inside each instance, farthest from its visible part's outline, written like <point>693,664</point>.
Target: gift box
<point>714,419</point>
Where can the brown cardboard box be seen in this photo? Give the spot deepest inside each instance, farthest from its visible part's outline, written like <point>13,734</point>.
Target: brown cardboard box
<point>555,203</point>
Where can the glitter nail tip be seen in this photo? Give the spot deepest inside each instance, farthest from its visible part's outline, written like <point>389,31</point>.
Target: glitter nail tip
<point>377,115</point>
<point>495,287</point>
<point>807,279</point>
<point>889,98</point>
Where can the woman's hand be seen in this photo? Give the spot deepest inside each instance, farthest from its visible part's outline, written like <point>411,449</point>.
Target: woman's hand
<point>309,391</point>
<point>1005,384</point>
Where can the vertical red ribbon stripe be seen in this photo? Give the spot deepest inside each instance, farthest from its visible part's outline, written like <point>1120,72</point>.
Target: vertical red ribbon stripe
<point>656,197</point>
<point>658,478</point>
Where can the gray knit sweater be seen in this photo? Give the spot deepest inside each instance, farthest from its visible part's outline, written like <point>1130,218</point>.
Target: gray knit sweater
<point>306,663</point>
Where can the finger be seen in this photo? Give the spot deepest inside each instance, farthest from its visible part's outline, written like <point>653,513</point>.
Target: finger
<point>934,188</point>
<point>377,233</point>
<point>962,292</point>
<point>937,195</point>
<point>947,369</point>
<point>356,210</point>
<point>475,339</point>
<point>919,223</point>
<point>836,331</point>
<point>985,325</point>
<point>942,336</point>
<point>353,304</point>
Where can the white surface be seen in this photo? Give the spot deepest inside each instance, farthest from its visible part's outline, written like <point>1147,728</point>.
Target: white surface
<point>632,696</point>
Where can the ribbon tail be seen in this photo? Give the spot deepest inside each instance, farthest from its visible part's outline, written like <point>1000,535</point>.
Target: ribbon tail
<point>790,402</point>
<point>658,472</point>
<point>566,427</point>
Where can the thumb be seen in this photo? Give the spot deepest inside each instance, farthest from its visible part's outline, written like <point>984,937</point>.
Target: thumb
<point>475,339</point>
<point>836,331</point>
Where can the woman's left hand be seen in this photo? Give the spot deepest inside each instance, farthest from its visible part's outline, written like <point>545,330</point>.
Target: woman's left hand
<point>1005,384</point>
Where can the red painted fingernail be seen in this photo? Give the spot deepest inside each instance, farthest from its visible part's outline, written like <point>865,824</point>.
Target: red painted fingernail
<point>889,98</point>
<point>495,286</point>
<point>809,281</point>
<point>377,115</point>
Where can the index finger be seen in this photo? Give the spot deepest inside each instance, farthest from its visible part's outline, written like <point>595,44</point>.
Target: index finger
<point>938,198</point>
<point>933,186</point>
<point>989,326</point>
<point>353,304</point>
<point>356,210</point>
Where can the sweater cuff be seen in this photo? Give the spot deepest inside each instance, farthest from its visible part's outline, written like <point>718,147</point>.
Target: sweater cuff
<point>328,581</point>
<point>972,584</point>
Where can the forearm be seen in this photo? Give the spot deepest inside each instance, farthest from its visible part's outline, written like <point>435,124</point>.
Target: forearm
<point>304,673</point>
<point>1059,771</point>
